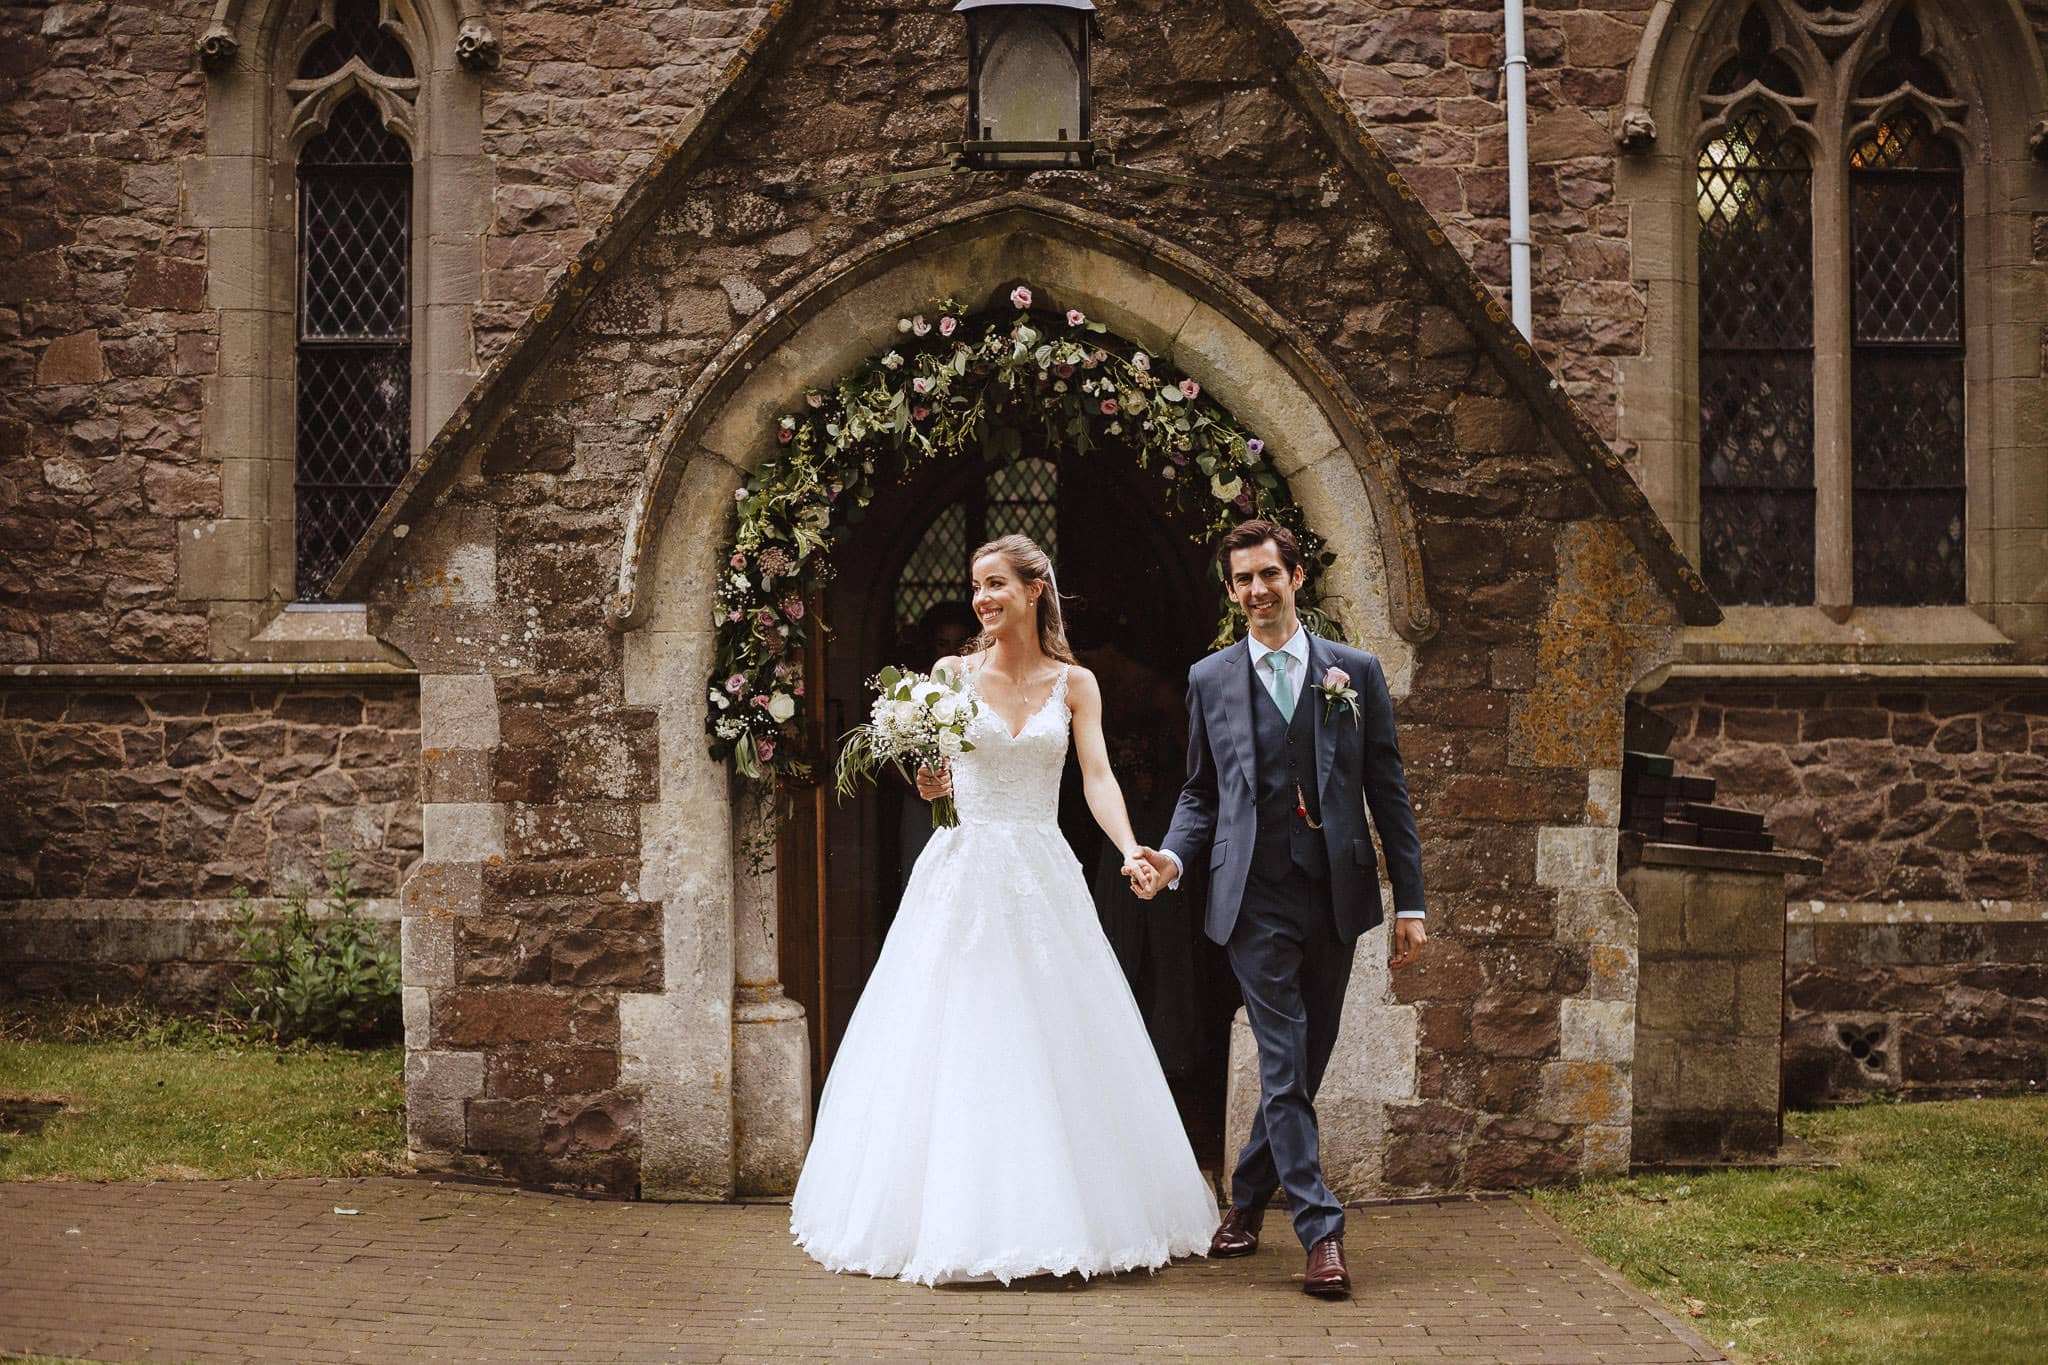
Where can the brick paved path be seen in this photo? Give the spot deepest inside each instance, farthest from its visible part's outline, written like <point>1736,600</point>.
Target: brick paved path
<point>436,1271</point>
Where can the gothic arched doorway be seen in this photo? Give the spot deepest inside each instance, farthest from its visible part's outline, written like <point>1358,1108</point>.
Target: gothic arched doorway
<point>1141,605</point>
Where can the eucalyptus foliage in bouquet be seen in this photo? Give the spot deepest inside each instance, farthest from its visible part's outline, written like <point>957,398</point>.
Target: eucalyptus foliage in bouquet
<point>919,720</point>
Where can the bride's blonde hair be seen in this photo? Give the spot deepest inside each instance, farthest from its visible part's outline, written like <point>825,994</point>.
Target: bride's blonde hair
<point>1031,565</point>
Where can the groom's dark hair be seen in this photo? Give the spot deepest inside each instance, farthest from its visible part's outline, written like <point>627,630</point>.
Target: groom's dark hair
<point>1249,535</point>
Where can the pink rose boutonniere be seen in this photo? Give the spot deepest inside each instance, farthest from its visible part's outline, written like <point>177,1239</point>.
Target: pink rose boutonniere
<point>1337,691</point>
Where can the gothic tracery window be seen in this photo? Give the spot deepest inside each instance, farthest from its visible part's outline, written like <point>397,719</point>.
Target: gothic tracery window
<point>355,83</point>
<point>1830,312</point>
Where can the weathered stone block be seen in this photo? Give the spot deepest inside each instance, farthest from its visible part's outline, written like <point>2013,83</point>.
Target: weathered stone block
<point>438,1086</point>
<point>1688,995</point>
<point>488,1015</point>
<point>463,832</point>
<point>1733,914</point>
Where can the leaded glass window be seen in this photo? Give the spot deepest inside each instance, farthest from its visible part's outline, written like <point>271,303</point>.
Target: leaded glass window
<point>1906,375</point>
<point>354,361</point>
<point>1831,342</point>
<point>1756,365</point>
<point>1021,498</point>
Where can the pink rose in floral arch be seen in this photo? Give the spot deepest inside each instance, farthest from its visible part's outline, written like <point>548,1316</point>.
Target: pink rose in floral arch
<point>946,326</point>
<point>1021,296</point>
<point>1075,317</point>
<point>1109,408</point>
<point>765,747</point>
<point>1190,389</point>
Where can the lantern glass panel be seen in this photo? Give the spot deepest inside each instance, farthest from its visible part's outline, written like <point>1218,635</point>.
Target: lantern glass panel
<point>1031,80</point>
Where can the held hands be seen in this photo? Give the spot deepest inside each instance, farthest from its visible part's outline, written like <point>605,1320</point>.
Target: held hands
<point>934,783</point>
<point>1141,867</point>
<point>1150,871</point>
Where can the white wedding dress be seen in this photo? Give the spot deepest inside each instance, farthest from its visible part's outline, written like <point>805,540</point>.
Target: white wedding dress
<point>995,1109</point>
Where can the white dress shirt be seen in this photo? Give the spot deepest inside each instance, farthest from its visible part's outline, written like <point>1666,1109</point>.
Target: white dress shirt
<point>1296,650</point>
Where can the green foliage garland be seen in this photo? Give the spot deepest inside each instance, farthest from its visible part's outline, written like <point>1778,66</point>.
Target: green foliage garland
<point>942,391</point>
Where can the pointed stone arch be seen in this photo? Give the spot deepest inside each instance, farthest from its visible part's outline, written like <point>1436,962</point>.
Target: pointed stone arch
<point>1145,288</point>
<point>719,1054</point>
<point>1677,39</point>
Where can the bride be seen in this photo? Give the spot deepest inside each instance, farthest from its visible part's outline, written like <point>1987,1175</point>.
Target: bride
<point>995,1109</point>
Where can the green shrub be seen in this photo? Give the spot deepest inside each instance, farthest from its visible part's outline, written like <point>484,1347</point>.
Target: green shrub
<point>325,980</point>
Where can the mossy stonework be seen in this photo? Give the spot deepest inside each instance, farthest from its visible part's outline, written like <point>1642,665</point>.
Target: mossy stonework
<point>635,247</point>
<point>605,908</point>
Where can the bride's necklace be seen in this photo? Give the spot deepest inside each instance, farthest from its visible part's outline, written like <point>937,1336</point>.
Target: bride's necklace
<point>1016,691</point>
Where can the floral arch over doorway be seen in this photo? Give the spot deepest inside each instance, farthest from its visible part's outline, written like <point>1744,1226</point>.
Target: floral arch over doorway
<point>724,1074</point>
<point>954,382</point>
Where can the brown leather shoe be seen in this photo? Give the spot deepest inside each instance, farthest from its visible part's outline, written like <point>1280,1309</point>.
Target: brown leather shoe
<point>1238,1234</point>
<point>1327,1278</point>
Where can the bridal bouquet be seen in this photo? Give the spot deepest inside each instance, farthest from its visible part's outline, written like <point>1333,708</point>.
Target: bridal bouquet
<point>918,720</point>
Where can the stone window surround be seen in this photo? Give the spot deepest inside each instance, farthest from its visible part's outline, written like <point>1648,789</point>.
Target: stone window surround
<point>240,193</point>
<point>2007,448</point>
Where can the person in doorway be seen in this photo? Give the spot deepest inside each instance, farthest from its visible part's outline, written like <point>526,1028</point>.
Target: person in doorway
<point>995,1109</point>
<point>1290,742</point>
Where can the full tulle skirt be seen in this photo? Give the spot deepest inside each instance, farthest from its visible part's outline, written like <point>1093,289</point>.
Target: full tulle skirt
<point>995,1109</point>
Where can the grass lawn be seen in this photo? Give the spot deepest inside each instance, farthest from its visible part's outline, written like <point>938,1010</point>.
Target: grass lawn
<point>153,1097</point>
<point>1928,1243</point>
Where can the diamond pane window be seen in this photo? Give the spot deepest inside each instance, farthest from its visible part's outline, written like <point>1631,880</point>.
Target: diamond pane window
<point>936,570</point>
<point>355,334</point>
<point>1020,498</point>
<point>1906,373</point>
<point>1755,201</point>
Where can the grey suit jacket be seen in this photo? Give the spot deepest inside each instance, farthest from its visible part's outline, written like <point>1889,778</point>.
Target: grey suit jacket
<point>1358,767</point>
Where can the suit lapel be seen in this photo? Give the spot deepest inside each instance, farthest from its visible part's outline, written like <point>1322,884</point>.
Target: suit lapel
<point>1325,729</point>
<point>1239,685</point>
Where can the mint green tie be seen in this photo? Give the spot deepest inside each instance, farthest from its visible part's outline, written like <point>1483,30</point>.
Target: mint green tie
<point>1283,692</point>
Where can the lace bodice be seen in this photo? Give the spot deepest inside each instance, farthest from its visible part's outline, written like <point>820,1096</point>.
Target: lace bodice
<point>1014,779</point>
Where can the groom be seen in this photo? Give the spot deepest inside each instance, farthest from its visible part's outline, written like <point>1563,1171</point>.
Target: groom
<point>1290,741</point>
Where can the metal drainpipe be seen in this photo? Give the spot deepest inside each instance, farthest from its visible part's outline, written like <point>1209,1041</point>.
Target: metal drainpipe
<point>1518,171</point>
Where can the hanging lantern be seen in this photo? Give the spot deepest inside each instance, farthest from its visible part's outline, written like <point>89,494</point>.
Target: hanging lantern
<point>1027,83</point>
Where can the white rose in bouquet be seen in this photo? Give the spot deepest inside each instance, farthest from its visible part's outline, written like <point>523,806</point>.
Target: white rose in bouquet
<point>917,721</point>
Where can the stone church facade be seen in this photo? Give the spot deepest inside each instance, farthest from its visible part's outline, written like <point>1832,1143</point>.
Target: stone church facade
<point>453,619</point>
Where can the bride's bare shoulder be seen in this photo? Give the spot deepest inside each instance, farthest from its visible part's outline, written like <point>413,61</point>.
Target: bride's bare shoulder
<point>1082,680</point>
<point>958,665</point>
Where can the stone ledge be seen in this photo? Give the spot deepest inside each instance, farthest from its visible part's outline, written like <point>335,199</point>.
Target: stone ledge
<point>1851,672</point>
<point>143,907</point>
<point>1916,912</point>
<point>1639,852</point>
<point>1913,636</point>
<point>117,674</point>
